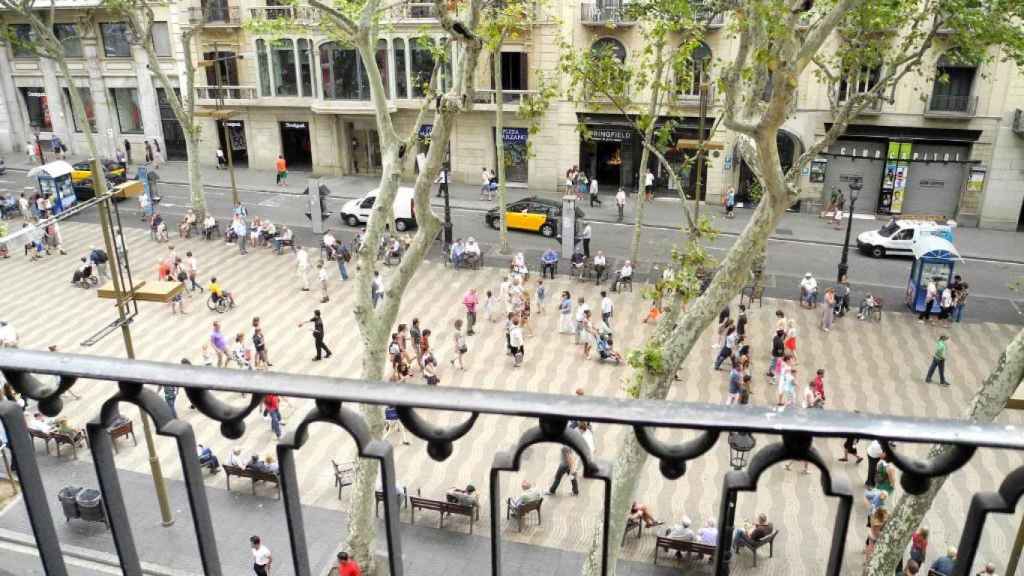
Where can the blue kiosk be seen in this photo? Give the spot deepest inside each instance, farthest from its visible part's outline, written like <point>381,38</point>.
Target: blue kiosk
<point>54,180</point>
<point>934,259</point>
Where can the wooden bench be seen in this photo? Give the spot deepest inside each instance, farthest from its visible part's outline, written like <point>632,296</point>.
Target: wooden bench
<point>254,475</point>
<point>520,512</point>
<point>343,475</point>
<point>46,437</point>
<point>680,546</point>
<point>445,508</point>
<point>403,500</point>
<point>753,546</point>
<point>59,438</point>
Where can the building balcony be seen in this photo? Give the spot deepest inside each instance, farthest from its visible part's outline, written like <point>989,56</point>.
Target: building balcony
<point>690,97</point>
<point>415,11</point>
<point>487,99</point>
<point>744,442</point>
<point>949,106</point>
<point>215,16</point>
<point>212,95</point>
<point>301,14</point>
<point>605,15</point>
<point>713,20</point>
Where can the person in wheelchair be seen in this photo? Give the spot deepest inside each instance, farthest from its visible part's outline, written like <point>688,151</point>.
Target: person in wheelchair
<point>604,347</point>
<point>83,274</point>
<point>217,292</point>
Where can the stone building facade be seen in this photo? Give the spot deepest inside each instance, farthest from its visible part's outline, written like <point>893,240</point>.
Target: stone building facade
<point>953,148</point>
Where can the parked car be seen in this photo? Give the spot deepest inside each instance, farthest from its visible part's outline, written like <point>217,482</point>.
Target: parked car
<point>114,171</point>
<point>358,211</point>
<point>532,214</point>
<point>898,236</point>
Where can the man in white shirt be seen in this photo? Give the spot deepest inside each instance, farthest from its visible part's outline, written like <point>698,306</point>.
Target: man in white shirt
<point>235,458</point>
<point>261,557</point>
<point>606,308</point>
<point>875,453</point>
<point>330,243</point>
<point>649,183</point>
<point>594,199</point>
<point>626,272</point>
<point>808,291</point>
<point>600,264</point>
<point>485,184</point>
<point>585,235</point>
<point>620,203</point>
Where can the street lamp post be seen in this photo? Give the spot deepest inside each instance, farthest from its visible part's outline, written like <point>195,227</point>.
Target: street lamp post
<point>855,187</point>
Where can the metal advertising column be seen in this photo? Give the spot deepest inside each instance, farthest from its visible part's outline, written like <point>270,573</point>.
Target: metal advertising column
<point>568,230</point>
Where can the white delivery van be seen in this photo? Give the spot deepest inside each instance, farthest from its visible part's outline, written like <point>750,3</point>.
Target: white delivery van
<point>898,236</point>
<point>358,211</point>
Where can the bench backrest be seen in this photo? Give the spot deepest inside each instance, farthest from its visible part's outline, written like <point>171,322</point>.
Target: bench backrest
<point>531,506</point>
<point>234,470</point>
<point>426,503</point>
<point>39,434</point>
<point>685,545</point>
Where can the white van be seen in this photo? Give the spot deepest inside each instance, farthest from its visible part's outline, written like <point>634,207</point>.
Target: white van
<point>358,211</point>
<point>898,236</point>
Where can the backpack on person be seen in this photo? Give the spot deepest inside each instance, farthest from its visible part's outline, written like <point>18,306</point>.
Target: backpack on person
<point>98,256</point>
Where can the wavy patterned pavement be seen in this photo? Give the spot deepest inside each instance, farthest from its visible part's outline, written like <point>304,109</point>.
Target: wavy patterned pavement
<point>871,367</point>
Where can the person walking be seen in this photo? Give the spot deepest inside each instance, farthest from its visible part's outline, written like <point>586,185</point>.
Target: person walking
<point>620,204</point>
<point>517,343</point>
<point>149,151</point>
<point>939,361</point>
<point>158,154</point>
<point>282,171</point>
<point>485,184</point>
<point>302,266</point>
<point>219,344</point>
<point>192,266</point>
<point>649,184</point>
<point>377,288</point>
<point>459,345</point>
<point>261,557</point>
<point>585,235</point>
<point>567,465</point>
<point>272,410</point>
<point>581,309</point>
<point>318,336</point>
<point>171,397</point>
<point>259,344</point>
<point>565,324</point>
<point>128,150</point>
<point>321,275</point>
<point>828,310</point>
<point>607,308</point>
<point>344,256</point>
<point>241,231</point>
<point>470,301</point>
<point>348,566</point>
<point>730,203</point>
<point>594,199</point>
<point>790,342</point>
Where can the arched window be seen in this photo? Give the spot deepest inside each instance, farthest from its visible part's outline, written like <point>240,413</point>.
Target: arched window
<point>695,72</point>
<point>954,82</point>
<point>342,74</point>
<point>609,45</point>
<point>422,64</point>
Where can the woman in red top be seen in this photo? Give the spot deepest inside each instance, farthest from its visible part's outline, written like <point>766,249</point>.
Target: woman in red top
<point>919,545</point>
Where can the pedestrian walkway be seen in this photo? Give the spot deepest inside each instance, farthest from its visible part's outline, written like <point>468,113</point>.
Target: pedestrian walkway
<point>973,243</point>
<point>873,367</point>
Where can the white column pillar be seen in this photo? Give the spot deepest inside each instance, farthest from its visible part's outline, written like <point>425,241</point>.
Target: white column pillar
<point>344,146</point>
<point>148,103</point>
<point>60,123</point>
<point>12,121</point>
<point>105,121</point>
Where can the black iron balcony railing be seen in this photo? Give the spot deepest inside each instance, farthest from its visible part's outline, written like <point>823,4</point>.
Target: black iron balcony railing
<point>783,437</point>
<point>216,14</point>
<point>605,14</point>
<point>946,104</point>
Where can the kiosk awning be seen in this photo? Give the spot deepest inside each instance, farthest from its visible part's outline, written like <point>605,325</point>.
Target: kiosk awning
<point>934,247</point>
<point>53,169</point>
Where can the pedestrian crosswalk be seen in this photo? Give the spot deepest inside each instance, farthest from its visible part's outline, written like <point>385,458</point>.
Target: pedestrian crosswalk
<point>869,367</point>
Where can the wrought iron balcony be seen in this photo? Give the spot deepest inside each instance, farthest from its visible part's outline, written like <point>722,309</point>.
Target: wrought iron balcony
<point>414,11</point>
<point>215,15</point>
<point>781,437</point>
<point>711,19</point>
<point>509,97</point>
<point>605,14</point>
<point>303,14</point>
<point>226,93</point>
<point>946,105</point>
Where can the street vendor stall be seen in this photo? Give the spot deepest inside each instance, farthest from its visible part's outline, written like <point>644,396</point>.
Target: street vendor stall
<point>54,180</point>
<point>934,259</point>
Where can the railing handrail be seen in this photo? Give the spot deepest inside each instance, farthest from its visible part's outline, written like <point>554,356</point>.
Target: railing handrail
<point>654,413</point>
<point>969,103</point>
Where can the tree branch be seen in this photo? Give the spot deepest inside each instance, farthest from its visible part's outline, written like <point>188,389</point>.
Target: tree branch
<point>343,22</point>
<point>822,29</point>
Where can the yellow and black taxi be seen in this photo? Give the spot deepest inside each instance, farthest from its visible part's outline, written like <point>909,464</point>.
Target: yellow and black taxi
<point>532,214</point>
<point>82,171</point>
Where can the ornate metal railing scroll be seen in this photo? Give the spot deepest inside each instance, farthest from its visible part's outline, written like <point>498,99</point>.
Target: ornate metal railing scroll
<point>46,377</point>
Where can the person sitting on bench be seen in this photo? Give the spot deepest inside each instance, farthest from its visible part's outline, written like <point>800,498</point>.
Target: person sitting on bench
<point>530,494</point>
<point>550,263</point>
<point>207,459</point>
<point>40,423</point>
<point>682,531</point>
<point>185,227</point>
<point>76,436</point>
<point>751,533</point>
<point>209,225</point>
<point>578,262</point>
<point>466,497</point>
<point>625,275</point>
<point>709,533</point>
<point>268,466</point>
<point>458,253</point>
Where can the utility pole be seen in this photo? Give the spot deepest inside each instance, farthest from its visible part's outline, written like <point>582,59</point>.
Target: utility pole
<point>224,125</point>
<point>167,519</point>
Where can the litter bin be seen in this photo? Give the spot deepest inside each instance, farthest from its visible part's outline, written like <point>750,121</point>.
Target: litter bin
<point>67,497</point>
<point>90,506</point>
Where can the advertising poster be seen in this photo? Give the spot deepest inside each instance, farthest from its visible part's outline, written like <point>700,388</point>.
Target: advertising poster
<point>899,187</point>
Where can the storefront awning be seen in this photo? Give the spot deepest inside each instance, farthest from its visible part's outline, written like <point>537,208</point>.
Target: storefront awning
<point>909,133</point>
